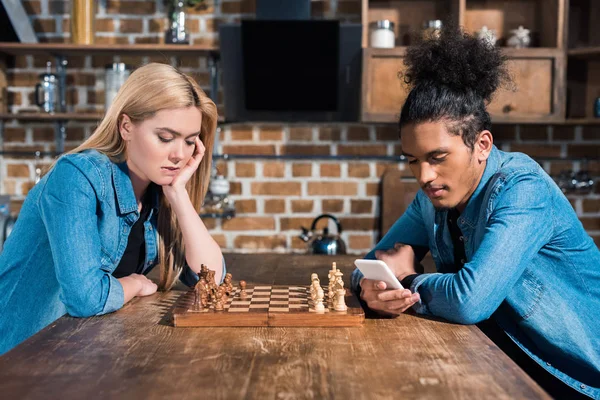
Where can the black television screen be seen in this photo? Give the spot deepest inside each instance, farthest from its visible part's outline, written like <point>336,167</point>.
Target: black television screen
<point>291,65</point>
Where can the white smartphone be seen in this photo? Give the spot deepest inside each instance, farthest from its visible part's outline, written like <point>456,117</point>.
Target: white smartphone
<point>377,270</point>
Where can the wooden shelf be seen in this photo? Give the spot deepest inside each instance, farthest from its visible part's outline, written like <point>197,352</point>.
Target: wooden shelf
<point>585,52</point>
<point>531,52</point>
<point>52,117</point>
<point>68,49</point>
<point>39,117</point>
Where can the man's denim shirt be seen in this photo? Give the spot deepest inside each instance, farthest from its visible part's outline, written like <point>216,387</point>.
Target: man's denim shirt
<point>530,263</point>
<point>70,236</point>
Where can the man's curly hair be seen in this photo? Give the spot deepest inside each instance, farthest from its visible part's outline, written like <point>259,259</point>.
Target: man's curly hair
<point>452,78</point>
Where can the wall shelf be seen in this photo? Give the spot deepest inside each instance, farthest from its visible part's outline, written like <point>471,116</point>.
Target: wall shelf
<point>68,49</point>
<point>73,116</point>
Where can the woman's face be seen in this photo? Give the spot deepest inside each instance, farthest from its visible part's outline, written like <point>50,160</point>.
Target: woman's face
<point>159,147</point>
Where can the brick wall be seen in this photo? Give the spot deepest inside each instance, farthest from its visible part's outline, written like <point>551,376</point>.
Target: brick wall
<point>273,197</point>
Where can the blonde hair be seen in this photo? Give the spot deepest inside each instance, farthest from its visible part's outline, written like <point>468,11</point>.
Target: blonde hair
<point>149,89</point>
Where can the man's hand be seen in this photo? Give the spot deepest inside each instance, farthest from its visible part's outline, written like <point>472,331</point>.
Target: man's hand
<point>400,259</point>
<point>386,302</point>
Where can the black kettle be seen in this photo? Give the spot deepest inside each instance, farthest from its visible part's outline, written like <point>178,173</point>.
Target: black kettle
<point>324,243</point>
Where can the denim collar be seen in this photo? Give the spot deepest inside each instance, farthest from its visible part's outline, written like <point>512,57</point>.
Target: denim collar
<point>124,190</point>
<point>471,213</point>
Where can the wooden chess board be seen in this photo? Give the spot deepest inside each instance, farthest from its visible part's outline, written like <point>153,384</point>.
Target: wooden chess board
<point>267,305</point>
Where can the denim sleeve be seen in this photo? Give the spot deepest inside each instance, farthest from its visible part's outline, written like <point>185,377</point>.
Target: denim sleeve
<point>518,227</point>
<point>408,229</point>
<point>190,278</point>
<point>68,209</point>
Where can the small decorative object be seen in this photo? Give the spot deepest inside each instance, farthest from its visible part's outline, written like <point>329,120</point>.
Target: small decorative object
<point>114,77</point>
<point>82,21</point>
<point>487,35</point>
<point>597,108</point>
<point>520,38</point>
<point>580,182</point>
<point>46,92</point>
<point>382,34</point>
<point>217,200</point>
<point>432,29</point>
<point>177,33</point>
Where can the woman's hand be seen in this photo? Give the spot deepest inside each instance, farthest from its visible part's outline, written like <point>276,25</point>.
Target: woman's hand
<point>182,178</point>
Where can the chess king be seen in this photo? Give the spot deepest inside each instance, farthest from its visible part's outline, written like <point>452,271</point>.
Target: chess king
<point>510,252</point>
<point>112,209</point>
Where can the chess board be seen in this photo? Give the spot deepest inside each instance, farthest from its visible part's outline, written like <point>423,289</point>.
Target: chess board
<point>267,305</point>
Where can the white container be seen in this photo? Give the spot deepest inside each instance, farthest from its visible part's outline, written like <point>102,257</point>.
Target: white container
<point>115,76</point>
<point>382,34</point>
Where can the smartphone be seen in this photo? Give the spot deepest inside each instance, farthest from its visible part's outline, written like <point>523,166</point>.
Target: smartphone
<point>377,270</point>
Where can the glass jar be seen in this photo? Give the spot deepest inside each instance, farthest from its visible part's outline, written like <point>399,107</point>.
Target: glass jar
<point>432,29</point>
<point>382,34</point>
<point>114,77</point>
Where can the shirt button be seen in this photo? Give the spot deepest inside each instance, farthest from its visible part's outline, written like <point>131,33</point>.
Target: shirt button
<point>462,238</point>
<point>548,364</point>
<point>462,261</point>
<point>582,386</point>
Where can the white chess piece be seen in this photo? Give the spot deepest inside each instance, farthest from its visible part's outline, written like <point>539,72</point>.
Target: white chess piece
<point>319,307</point>
<point>340,303</point>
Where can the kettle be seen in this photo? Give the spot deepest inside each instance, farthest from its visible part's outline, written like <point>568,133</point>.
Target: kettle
<point>324,243</point>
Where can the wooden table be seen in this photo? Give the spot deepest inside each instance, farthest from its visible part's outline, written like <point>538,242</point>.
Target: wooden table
<point>136,354</point>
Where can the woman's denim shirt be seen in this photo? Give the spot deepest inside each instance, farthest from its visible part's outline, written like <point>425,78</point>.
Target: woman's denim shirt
<point>530,263</point>
<point>70,235</point>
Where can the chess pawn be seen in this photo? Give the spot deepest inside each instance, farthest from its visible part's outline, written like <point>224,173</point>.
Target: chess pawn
<point>219,302</point>
<point>314,290</point>
<point>319,307</point>
<point>196,306</point>
<point>243,294</point>
<point>227,281</point>
<point>340,304</point>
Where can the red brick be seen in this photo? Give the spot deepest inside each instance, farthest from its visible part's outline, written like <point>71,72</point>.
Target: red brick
<point>292,224</point>
<point>277,188</point>
<point>273,169</point>
<point>298,244</point>
<point>21,79</point>
<point>271,133</point>
<point>201,9</point>
<point>329,133</point>
<point>245,170</point>
<point>274,206</point>
<point>157,25</point>
<point>220,239</point>
<point>537,150</point>
<point>556,167</point>
<point>373,188</point>
<point>364,150</point>
<point>563,132</point>
<point>131,26</point>
<point>333,188</point>
<point>222,168</point>
<point>591,223</point>
<point>248,242</point>
<point>105,25</point>
<point>58,7</point>
<point>235,187</point>
<point>301,170</point>
<point>591,205</point>
<point>111,40</point>
<point>26,187</point>
<point>17,170</point>
<point>301,134</point>
<point>358,133</point>
<point>130,7</point>
<point>14,134</point>
<point>359,224</point>
<point>360,242</point>
<point>349,7</point>
<point>15,206</point>
<point>210,223</point>
<point>534,132</point>
<point>149,40</point>
<point>318,8</point>
<point>32,7</point>
<point>387,133</point>
<point>359,170</point>
<point>241,133</point>
<point>591,132</point>
<point>14,98</point>
<point>245,206</point>
<point>380,169</point>
<point>44,25</point>
<point>239,7</point>
<point>302,206</point>
<point>330,170</point>
<point>503,133</point>
<point>305,150</point>
<point>45,134</point>
<point>361,206</point>
<point>250,149</point>
<point>248,224</point>
<point>583,150</point>
<point>332,206</point>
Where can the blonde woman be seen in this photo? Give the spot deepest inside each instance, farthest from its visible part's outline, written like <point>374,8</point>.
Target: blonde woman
<point>124,201</point>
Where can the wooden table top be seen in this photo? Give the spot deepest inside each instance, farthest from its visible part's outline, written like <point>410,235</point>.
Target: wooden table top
<point>135,353</point>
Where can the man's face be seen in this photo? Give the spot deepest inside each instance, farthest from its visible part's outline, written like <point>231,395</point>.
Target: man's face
<point>447,170</point>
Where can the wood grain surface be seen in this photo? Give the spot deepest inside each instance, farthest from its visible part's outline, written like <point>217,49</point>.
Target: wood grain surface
<point>135,353</point>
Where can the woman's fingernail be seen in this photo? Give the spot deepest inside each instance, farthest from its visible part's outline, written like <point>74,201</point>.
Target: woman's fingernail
<point>414,297</point>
